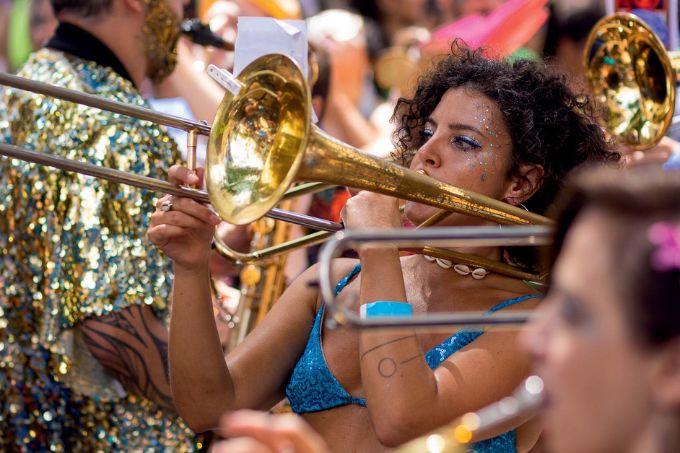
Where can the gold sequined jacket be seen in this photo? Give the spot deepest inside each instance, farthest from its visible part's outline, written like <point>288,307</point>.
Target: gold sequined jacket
<point>74,247</point>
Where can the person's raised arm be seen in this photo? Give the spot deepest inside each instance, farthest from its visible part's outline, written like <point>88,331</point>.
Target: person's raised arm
<point>183,229</point>
<point>405,397</point>
<point>196,87</point>
<point>254,374</point>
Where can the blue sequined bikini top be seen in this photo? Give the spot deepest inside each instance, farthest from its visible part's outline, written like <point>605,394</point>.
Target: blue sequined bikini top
<point>313,387</point>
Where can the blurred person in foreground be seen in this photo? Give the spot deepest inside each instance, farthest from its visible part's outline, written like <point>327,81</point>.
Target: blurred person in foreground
<point>83,363</point>
<point>607,342</point>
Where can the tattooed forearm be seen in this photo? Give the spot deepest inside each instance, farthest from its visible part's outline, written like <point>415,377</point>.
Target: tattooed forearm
<point>133,345</point>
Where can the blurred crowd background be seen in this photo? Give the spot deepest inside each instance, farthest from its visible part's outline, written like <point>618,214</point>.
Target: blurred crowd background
<point>368,52</point>
<point>354,41</point>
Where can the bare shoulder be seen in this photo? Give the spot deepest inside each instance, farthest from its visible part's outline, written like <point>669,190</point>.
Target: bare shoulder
<point>341,267</point>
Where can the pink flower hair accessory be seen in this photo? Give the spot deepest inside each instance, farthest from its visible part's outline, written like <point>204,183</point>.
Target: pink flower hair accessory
<point>666,237</point>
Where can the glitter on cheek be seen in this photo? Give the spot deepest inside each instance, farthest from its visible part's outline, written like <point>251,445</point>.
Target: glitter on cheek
<point>484,165</point>
<point>488,123</point>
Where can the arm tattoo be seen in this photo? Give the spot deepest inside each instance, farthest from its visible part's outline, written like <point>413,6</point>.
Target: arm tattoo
<point>133,345</point>
<point>387,366</point>
<point>374,348</point>
<point>417,356</point>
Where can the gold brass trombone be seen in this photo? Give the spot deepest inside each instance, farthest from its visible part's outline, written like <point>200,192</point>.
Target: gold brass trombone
<point>262,140</point>
<point>633,77</point>
<point>193,129</point>
<point>482,236</point>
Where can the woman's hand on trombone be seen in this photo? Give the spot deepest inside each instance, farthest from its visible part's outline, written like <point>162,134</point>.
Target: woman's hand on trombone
<point>181,227</point>
<point>370,210</point>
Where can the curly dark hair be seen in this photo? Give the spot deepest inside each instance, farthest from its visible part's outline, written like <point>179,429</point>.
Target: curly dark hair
<point>549,124</point>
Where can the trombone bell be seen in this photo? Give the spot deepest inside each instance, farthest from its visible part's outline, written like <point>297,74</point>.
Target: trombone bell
<point>262,140</point>
<point>632,76</point>
<point>258,139</point>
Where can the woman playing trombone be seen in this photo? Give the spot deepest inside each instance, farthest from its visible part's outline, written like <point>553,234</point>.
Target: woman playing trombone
<point>508,131</point>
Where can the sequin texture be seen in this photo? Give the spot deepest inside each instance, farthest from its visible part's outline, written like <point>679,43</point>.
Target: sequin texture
<point>73,246</point>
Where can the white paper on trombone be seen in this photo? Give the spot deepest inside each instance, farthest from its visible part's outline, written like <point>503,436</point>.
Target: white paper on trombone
<point>258,36</point>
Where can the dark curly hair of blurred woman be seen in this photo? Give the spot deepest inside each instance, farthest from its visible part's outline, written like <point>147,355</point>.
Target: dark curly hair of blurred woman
<point>549,124</point>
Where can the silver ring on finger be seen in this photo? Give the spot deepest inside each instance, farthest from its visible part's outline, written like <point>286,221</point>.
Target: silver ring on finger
<point>166,205</point>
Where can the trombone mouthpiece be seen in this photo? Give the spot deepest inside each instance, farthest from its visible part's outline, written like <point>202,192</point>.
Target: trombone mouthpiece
<point>200,34</point>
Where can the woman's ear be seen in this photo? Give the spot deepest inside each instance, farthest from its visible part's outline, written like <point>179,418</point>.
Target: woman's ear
<point>665,378</point>
<point>524,183</point>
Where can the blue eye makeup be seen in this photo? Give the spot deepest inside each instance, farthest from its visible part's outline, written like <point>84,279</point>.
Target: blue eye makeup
<point>465,143</point>
<point>461,142</point>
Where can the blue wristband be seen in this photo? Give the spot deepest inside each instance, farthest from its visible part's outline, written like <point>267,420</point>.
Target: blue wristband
<point>386,309</point>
